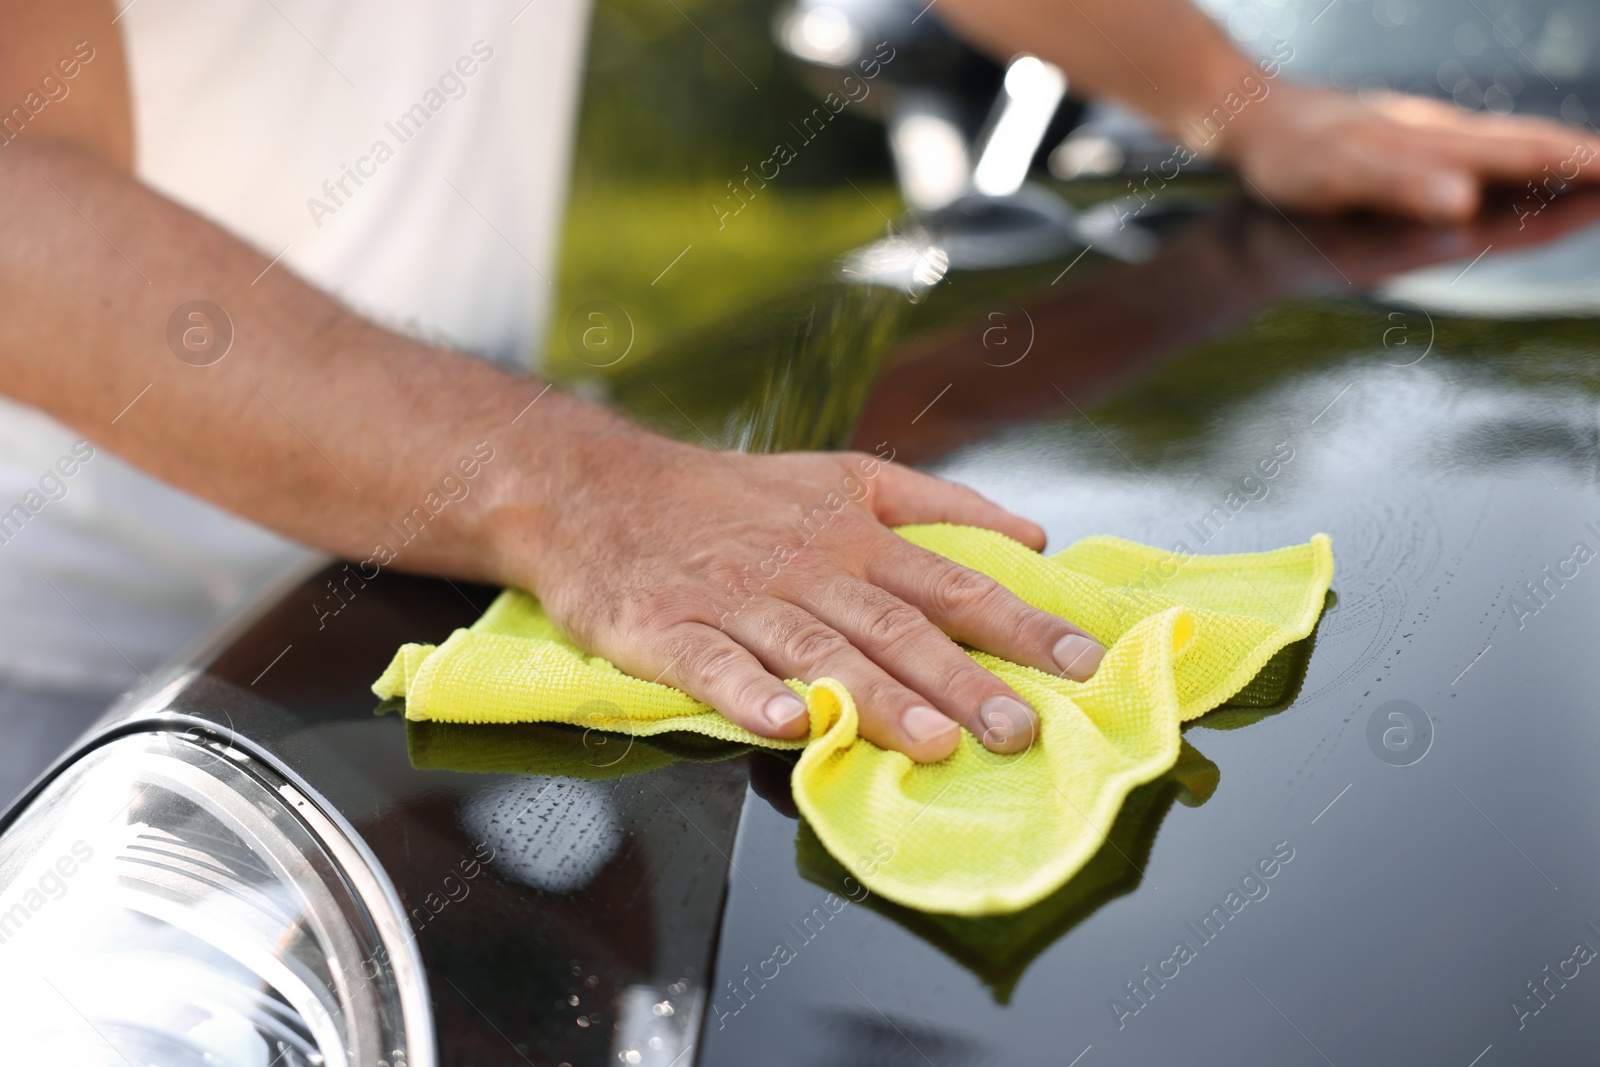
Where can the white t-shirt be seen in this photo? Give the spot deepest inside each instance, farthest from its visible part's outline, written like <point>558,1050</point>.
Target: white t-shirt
<point>409,157</point>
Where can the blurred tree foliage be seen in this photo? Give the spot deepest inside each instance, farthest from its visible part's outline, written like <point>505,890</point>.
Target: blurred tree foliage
<point>693,90</point>
<point>679,96</point>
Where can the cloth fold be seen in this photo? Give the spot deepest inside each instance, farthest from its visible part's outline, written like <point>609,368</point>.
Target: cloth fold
<point>977,833</point>
<point>999,949</point>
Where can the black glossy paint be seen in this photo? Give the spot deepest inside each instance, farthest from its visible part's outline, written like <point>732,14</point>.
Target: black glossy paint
<point>1423,893</point>
<point>1451,456</point>
<point>516,973</point>
<point>1421,896</point>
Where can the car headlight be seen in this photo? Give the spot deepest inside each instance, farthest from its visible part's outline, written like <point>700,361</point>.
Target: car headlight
<point>168,900</point>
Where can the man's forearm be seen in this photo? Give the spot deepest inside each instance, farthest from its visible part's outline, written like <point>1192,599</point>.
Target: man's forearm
<point>1163,58</point>
<point>316,423</point>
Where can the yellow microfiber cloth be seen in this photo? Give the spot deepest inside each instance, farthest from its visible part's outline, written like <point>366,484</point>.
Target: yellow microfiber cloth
<point>998,949</point>
<point>977,833</point>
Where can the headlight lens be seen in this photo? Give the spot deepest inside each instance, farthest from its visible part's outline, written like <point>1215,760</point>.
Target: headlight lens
<point>168,900</point>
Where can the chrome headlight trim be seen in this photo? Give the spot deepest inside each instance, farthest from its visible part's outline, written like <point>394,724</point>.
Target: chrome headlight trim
<point>148,714</point>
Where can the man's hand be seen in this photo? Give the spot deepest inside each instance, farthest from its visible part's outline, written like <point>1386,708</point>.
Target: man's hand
<point>644,549</point>
<point>1299,148</point>
<point>1322,151</point>
<point>724,573</point>
<point>719,573</point>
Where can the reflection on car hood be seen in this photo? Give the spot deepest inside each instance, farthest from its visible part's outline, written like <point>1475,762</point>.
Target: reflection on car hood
<point>1552,281</point>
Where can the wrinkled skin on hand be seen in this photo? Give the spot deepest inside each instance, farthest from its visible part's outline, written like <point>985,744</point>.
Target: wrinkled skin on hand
<point>1314,150</point>
<point>724,573</point>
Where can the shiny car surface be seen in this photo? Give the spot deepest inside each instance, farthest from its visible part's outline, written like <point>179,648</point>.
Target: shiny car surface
<point>1185,367</point>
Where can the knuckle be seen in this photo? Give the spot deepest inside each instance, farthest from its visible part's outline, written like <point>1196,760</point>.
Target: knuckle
<point>664,611</point>
<point>890,620</point>
<point>812,642</point>
<point>960,591</point>
<point>721,573</point>
<point>808,561</point>
<point>708,663</point>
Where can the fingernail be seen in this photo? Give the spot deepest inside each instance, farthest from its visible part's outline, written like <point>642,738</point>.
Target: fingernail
<point>1449,192</point>
<point>783,711</point>
<point>1078,656</point>
<point>921,723</point>
<point>1008,724</point>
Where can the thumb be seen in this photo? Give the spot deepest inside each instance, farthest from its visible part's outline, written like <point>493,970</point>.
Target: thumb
<point>906,496</point>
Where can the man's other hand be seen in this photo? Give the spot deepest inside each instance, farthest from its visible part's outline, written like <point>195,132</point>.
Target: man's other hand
<point>1316,150</point>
